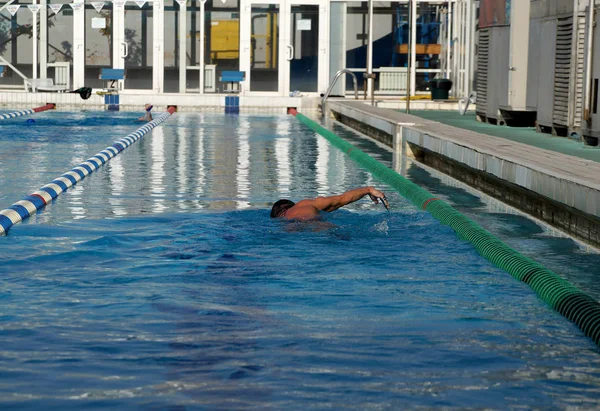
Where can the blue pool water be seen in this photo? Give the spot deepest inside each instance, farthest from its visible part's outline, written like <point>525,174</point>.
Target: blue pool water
<point>160,282</point>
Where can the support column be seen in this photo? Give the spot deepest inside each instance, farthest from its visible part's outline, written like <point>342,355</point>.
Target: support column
<point>182,45</point>
<point>78,44</point>
<point>43,53</point>
<point>337,49</point>
<point>413,47</point>
<point>324,33</point>
<point>370,49</point>
<point>118,34</point>
<point>468,40</point>
<point>158,58</point>
<point>202,52</point>
<point>449,40</point>
<point>245,16</point>
<point>34,8</point>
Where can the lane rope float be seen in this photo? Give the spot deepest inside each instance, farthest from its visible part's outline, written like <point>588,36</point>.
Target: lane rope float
<point>30,205</point>
<point>563,297</point>
<point>20,113</point>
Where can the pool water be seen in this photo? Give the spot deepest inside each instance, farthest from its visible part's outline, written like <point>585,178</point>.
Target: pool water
<point>160,282</point>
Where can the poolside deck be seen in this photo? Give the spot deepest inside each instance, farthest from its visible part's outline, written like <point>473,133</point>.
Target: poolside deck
<point>560,188</point>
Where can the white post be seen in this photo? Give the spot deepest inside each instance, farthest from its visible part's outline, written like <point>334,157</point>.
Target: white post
<point>158,58</point>
<point>201,60</point>
<point>458,48</point>
<point>413,47</point>
<point>468,41</point>
<point>118,34</point>
<point>462,45</point>
<point>182,46</point>
<point>35,43</point>
<point>78,44</point>
<point>455,47</point>
<point>370,49</point>
<point>245,42</point>
<point>589,59</point>
<point>324,39</point>
<point>449,40</point>
<point>44,39</point>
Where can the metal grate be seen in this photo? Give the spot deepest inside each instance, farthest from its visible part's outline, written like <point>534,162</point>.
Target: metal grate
<point>562,71</point>
<point>483,52</point>
<point>579,71</point>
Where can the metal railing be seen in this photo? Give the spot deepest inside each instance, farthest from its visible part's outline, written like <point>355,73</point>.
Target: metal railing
<point>463,104</point>
<point>337,75</point>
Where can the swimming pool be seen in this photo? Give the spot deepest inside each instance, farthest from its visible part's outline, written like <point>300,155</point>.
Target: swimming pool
<point>160,282</point>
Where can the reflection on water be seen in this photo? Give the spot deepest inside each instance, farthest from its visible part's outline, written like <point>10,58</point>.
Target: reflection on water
<point>243,164</point>
<point>193,298</point>
<point>576,262</point>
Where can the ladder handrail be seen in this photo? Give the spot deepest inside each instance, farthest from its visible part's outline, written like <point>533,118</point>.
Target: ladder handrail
<point>472,99</point>
<point>337,75</point>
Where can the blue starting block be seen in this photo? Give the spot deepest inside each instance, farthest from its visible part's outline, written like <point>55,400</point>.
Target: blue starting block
<point>232,80</point>
<point>2,70</point>
<point>111,76</point>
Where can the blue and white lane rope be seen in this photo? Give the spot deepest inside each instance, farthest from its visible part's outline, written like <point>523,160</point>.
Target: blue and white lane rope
<point>29,205</point>
<point>20,113</point>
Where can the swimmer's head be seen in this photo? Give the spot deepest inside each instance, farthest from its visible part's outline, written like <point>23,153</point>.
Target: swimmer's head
<point>148,107</point>
<point>30,121</point>
<point>280,207</point>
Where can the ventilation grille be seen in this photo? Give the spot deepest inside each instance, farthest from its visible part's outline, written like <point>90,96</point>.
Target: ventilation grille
<point>579,71</point>
<point>483,52</point>
<point>562,71</point>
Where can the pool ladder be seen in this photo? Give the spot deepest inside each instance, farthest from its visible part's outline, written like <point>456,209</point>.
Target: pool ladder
<point>337,75</point>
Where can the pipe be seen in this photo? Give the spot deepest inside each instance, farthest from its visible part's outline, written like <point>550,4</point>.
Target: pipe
<point>14,114</point>
<point>568,300</point>
<point>29,205</point>
<point>589,65</point>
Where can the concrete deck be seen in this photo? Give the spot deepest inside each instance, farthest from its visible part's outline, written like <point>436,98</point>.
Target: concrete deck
<point>561,189</point>
<point>526,135</point>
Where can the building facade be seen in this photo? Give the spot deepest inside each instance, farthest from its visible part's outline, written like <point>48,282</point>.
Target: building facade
<point>281,46</point>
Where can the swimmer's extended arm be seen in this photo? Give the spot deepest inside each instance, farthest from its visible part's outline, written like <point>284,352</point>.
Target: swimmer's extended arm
<point>332,203</point>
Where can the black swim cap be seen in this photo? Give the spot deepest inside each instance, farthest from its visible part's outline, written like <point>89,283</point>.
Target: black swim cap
<point>280,207</point>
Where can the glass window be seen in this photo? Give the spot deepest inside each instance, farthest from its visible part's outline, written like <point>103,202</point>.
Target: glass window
<point>171,47</point>
<point>140,46</point>
<point>429,43</point>
<point>222,37</point>
<point>60,39</point>
<point>389,28</point>
<point>98,43</point>
<point>16,42</point>
<point>221,41</point>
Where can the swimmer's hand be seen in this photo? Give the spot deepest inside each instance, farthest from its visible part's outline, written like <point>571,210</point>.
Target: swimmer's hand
<point>379,196</point>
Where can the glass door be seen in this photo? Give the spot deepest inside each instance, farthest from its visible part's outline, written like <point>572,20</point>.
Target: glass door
<point>302,48</point>
<point>264,41</point>
<point>261,46</point>
<point>280,46</point>
<point>138,45</point>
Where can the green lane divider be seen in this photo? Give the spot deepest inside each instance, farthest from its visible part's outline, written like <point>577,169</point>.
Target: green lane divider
<point>568,300</point>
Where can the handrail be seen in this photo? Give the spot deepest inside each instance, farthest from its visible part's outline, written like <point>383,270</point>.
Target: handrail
<point>337,75</point>
<point>472,99</point>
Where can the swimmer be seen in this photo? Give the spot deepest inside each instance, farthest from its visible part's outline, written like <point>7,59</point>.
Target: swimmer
<point>309,209</point>
<point>148,116</point>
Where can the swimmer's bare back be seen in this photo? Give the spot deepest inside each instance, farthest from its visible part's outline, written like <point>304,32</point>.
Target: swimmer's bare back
<point>302,212</point>
<point>309,209</point>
